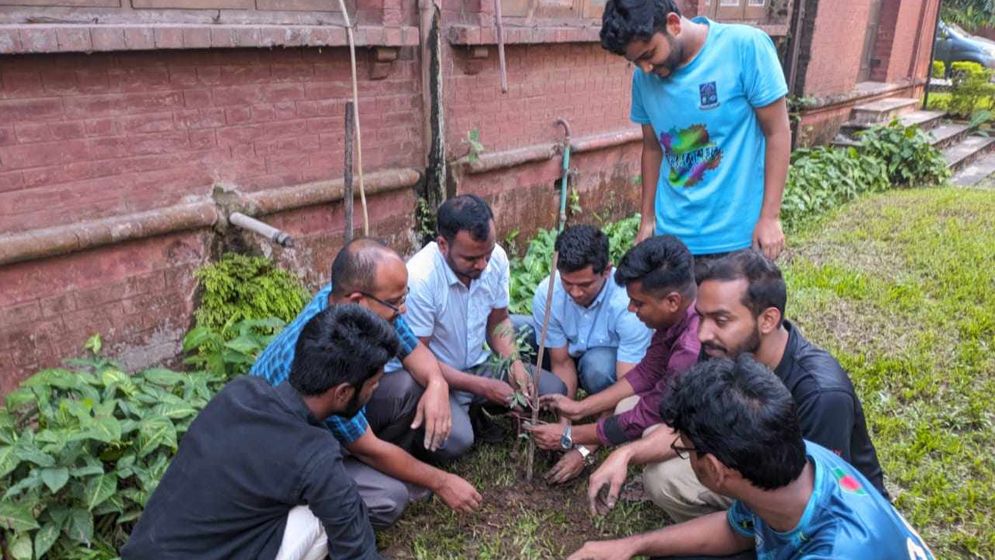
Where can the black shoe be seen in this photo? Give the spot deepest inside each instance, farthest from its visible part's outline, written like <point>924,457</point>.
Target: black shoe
<point>485,428</point>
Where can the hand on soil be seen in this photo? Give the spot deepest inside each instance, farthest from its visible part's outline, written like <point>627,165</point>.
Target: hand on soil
<point>459,494</point>
<point>605,484</point>
<point>567,468</point>
<point>602,550</point>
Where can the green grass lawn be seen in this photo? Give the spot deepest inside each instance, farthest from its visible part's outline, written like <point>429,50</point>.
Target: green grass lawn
<point>901,288</point>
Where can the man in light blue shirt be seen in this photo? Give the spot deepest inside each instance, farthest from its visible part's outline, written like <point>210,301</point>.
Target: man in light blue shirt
<point>593,339</point>
<point>710,98</point>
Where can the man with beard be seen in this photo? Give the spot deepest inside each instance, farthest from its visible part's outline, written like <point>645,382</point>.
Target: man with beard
<point>458,300</point>
<point>258,475</point>
<point>379,436</point>
<point>716,140</point>
<point>741,301</point>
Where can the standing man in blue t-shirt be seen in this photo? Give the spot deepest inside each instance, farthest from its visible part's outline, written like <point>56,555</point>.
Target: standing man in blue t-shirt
<point>716,140</point>
<point>738,425</point>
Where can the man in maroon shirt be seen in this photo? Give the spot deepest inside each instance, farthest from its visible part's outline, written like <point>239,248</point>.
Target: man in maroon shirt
<point>658,277</point>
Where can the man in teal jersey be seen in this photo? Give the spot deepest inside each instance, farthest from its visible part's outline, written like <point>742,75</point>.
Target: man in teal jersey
<point>716,140</point>
<point>738,425</point>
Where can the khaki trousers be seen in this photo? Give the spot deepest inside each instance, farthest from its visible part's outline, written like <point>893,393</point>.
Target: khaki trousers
<point>673,486</point>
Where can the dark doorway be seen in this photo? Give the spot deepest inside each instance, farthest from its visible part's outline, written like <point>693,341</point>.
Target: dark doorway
<point>867,61</point>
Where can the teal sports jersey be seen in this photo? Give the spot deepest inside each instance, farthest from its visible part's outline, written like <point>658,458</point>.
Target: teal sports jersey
<point>845,518</point>
<point>711,183</point>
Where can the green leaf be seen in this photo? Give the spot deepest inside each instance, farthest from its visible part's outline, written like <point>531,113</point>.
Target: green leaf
<point>79,526</point>
<point>89,470</point>
<point>16,517</point>
<point>175,410</point>
<point>46,537</point>
<point>55,478</point>
<point>155,431</point>
<point>94,344</point>
<point>8,460</point>
<point>21,548</point>
<point>98,489</point>
<point>105,429</point>
<point>33,455</point>
<point>244,345</point>
<point>162,376</point>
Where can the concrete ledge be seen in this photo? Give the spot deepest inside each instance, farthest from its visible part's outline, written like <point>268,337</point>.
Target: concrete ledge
<point>496,161</point>
<point>69,37</point>
<point>62,240</point>
<point>476,35</point>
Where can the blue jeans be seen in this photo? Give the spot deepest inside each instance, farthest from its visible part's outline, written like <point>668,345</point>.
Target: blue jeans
<point>595,367</point>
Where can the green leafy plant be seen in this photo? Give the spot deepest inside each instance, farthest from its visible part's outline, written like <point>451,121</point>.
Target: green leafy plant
<point>240,287</point>
<point>81,450</point>
<point>939,69</point>
<point>970,14</point>
<point>907,153</point>
<point>822,178</point>
<point>476,147</point>
<point>227,357</point>
<point>972,89</point>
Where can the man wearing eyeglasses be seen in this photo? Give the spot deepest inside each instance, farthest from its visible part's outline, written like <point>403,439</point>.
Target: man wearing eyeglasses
<point>741,430</point>
<point>412,398</point>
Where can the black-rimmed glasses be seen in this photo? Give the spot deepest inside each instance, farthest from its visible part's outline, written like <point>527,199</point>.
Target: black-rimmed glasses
<point>680,450</point>
<point>394,306</point>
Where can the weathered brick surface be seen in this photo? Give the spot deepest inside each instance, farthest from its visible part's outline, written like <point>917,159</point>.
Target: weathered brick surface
<point>85,137</point>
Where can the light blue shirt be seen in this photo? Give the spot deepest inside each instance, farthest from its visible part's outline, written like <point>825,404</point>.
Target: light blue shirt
<point>607,322</point>
<point>845,518</point>
<point>451,315</point>
<point>711,181</point>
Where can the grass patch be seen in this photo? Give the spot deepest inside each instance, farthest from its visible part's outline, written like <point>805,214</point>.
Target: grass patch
<point>901,288</point>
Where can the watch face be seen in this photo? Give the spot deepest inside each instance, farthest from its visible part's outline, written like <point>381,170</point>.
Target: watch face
<point>566,441</point>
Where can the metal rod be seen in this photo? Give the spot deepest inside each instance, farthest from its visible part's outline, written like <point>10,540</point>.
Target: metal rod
<point>277,236</point>
<point>347,194</point>
<point>500,40</point>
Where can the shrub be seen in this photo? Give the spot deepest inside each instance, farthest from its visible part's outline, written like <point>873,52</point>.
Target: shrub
<point>972,89</point>
<point>939,69</point>
<point>82,449</point>
<point>240,287</point>
<point>226,356</point>
<point>907,154</point>
<point>822,178</point>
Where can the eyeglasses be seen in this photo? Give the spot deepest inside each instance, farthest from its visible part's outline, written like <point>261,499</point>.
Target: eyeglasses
<point>680,450</point>
<point>393,306</point>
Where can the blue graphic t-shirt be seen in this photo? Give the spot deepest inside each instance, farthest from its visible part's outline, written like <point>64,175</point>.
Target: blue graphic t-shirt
<point>712,175</point>
<point>845,518</point>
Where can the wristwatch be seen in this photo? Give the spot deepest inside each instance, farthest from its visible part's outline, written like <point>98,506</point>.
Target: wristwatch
<point>567,440</point>
<point>586,454</point>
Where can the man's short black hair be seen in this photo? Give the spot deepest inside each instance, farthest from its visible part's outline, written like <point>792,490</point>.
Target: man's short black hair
<point>662,264</point>
<point>625,20</point>
<point>466,212</point>
<point>343,344</point>
<point>766,286</point>
<point>355,267</point>
<point>581,247</point>
<point>741,413</point>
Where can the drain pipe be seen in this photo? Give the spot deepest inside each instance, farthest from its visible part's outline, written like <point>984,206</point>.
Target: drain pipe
<point>249,223</point>
<point>500,45</point>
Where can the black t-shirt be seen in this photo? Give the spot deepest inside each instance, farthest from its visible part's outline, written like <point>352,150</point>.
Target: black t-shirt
<point>251,455</point>
<point>828,408</point>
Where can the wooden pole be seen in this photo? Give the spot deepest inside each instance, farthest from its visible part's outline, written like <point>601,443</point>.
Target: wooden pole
<point>347,194</point>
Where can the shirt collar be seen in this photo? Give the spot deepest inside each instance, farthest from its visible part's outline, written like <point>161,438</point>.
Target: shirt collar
<point>676,330</point>
<point>788,358</point>
<point>294,403</point>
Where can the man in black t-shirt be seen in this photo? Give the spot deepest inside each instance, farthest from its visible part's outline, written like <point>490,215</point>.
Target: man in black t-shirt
<point>741,301</point>
<point>258,474</point>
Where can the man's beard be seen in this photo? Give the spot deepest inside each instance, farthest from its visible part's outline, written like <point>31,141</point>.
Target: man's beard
<point>750,345</point>
<point>468,274</point>
<point>353,407</point>
<point>673,60</point>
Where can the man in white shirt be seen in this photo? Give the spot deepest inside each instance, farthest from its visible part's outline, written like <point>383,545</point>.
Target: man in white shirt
<point>458,301</point>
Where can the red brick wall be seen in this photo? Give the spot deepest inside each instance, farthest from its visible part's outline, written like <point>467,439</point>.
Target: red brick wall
<point>837,44</point>
<point>901,50</point>
<point>86,137</point>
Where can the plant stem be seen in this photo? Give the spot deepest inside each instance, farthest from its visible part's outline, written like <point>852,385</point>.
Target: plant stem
<point>538,369</point>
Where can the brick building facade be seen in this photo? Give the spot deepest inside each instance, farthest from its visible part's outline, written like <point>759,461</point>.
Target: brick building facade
<point>130,128</point>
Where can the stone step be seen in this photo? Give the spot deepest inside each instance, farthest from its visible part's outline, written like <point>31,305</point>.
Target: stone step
<point>883,110</point>
<point>948,134</point>
<point>967,151</point>
<point>971,175</point>
<point>925,120</point>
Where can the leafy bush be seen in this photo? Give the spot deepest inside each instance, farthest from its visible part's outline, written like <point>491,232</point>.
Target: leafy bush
<point>240,287</point>
<point>529,270</point>
<point>82,449</point>
<point>907,154</point>
<point>939,69</point>
<point>228,357</point>
<point>972,89</point>
<point>822,178</point>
